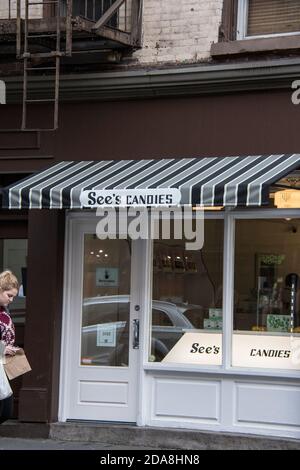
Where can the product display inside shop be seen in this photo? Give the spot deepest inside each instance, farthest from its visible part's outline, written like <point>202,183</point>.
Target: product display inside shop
<point>266,317</point>
<point>267,276</point>
<point>187,293</point>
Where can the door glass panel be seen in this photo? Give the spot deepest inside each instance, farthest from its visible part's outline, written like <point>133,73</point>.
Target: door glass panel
<point>106,302</point>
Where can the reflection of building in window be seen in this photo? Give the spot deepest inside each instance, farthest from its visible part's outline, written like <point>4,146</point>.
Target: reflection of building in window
<point>189,276</point>
<point>185,284</point>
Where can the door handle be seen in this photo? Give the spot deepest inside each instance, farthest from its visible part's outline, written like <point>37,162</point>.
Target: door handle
<point>136,334</point>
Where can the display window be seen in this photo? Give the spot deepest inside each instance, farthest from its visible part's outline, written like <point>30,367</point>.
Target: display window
<point>13,253</point>
<point>187,313</point>
<point>233,303</point>
<point>266,297</point>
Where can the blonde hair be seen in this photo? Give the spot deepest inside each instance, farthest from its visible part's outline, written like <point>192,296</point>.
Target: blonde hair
<point>8,281</point>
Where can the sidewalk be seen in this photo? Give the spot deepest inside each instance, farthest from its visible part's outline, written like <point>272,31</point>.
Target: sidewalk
<point>15,443</point>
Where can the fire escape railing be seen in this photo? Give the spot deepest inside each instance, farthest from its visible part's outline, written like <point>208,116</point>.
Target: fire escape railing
<point>106,17</point>
<point>53,26</point>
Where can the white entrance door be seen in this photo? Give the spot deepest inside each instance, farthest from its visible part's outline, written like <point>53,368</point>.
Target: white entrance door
<point>101,326</point>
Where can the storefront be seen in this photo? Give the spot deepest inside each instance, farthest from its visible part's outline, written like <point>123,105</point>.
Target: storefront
<point>156,333</point>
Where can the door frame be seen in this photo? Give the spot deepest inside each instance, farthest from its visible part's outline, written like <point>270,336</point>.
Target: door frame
<point>74,220</point>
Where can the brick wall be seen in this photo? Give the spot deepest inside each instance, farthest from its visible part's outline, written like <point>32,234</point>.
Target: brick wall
<point>34,11</point>
<point>179,30</point>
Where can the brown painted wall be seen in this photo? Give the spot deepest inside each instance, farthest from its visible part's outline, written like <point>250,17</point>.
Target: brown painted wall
<point>39,395</point>
<point>253,123</point>
<point>219,125</point>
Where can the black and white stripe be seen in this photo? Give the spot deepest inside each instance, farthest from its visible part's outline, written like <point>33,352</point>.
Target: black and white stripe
<point>226,181</point>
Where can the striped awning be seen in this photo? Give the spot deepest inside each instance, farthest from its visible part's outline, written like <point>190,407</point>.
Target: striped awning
<point>226,181</point>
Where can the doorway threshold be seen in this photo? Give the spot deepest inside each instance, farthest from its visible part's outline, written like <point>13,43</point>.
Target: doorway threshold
<point>92,422</point>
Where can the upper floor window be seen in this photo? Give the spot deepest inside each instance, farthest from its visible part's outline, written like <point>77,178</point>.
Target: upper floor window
<point>92,10</point>
<point>267,18</point>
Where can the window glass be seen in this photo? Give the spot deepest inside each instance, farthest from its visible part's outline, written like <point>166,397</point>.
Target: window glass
<point>187,299</point>
<point>91,9</point>
<point>105,337</point>
<point>273,17</point>
<point>160,318</point>
<point>266,318</point>
<point>13,256</point>
<point>106,302</point>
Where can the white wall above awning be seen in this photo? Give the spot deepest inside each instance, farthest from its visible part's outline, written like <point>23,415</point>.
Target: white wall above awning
<point>209,181</point>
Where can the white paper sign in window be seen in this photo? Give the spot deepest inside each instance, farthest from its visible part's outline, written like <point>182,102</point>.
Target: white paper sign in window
<point>106,335</point>
<point>107,277</point>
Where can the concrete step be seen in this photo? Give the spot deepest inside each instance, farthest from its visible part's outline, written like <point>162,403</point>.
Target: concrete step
<point>144,437</point>
<point>164,438</point>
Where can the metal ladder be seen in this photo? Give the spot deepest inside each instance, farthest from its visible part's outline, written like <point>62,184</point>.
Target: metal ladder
<point>56,54</point>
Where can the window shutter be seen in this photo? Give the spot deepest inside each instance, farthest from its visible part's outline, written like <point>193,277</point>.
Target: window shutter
<point>273,16</point>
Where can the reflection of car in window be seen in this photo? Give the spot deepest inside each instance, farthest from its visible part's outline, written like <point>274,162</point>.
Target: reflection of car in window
<point>105,333</point>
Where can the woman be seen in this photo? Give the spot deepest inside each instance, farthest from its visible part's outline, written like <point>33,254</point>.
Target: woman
<point>9,288</point>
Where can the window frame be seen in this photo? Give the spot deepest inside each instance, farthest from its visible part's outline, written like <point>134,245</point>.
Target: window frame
<point>229,46</point>
<point>253,214</point>
<point>242,22</point>
<point>226,369</point>
<point>161,366</point>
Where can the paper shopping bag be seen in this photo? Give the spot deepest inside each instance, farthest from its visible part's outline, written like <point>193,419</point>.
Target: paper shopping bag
<point>16,365</point>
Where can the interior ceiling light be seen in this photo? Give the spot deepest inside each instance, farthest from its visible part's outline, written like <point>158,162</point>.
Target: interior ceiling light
<point>208,208</point>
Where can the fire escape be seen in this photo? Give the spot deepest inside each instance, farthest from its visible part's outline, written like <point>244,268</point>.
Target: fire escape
<point>46,35</point>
